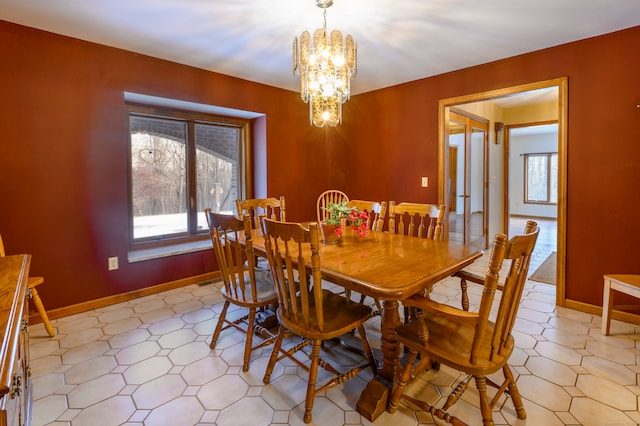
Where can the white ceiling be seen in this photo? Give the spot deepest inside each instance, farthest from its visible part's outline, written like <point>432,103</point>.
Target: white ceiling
<point>398,40</point>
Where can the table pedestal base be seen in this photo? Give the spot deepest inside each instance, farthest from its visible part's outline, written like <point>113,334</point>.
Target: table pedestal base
<point>373,399</point>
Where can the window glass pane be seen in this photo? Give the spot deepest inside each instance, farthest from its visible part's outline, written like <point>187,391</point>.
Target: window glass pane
<point>158,176</point>
<point>217,171</point>
<point>554,179</point>
<point>537,169</point>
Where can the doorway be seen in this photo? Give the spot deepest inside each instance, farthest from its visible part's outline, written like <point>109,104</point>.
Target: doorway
<point>468,139</point>
<point>531,189</point>
<point>498,219</point>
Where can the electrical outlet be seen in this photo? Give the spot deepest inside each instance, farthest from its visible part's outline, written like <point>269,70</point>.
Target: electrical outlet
<point>425,182</point>
<point>113,263</point>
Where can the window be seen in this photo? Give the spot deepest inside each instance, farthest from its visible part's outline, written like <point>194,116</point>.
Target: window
<point>180,163</point>
<point>541,178</point>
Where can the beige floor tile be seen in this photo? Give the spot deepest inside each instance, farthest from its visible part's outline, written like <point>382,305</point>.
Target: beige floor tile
<point>92,391</point>
<point>159,391</point>
<point>111,412</point>
<point>607,392</point>
<point>147,370</point>
<point>246,411</point>
<point>90,369</point>
<point>137,352</point>
<point>220,393</point>
<point>591,412</point>
<point>185,410</point>
<point>551,370</point>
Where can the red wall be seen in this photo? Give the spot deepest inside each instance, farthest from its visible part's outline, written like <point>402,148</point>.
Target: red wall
<point>63,155</point>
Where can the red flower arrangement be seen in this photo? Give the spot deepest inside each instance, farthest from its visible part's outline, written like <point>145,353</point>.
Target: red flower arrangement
<point>359,221</point>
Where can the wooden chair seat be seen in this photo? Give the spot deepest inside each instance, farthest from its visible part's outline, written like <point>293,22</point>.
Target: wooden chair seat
<point>340,317</point>
<point>264,290</point>
<point>451,340</point>
<point>624,283</point>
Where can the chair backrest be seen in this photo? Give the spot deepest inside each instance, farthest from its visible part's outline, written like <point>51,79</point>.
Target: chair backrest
<point>331,196</point>
<point>2,253</point>
<point>232,244</point>
<point>273,208</point>
<point>290,248</point>
<point>377,211</point>
<point>518,249</point>
<point>430,219</point>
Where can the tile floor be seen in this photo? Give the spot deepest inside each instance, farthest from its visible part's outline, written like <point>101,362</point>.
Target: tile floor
<point>147,362</point>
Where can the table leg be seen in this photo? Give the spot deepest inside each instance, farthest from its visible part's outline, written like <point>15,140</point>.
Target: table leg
<point>373,399</point>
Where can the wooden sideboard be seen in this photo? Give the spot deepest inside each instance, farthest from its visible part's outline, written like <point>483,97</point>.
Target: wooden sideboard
<point>15,383</point>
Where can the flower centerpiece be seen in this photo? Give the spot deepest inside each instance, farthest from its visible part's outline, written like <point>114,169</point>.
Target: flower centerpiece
<point>341,215</point>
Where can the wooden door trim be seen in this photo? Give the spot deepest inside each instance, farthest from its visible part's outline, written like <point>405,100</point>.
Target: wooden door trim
<point>443,173</point>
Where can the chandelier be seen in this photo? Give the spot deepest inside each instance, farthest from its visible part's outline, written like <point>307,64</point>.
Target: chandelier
<point>326,63</point>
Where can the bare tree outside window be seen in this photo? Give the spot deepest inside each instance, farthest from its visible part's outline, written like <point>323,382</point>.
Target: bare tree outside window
<point>161,184</point>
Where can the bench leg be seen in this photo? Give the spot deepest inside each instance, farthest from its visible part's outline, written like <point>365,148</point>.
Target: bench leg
<point>607,304</point>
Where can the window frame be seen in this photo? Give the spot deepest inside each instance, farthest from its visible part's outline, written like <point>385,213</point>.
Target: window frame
<point>191,119</point>
<point>526,157</point>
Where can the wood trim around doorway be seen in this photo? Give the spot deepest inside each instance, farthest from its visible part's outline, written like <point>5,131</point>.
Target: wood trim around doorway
<point>443,160</point>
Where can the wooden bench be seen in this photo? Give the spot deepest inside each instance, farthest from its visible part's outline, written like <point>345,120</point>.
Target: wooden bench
<point>624,283</point>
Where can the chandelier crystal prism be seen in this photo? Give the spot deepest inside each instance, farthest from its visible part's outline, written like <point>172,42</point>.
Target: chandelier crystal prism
<point>326,63</point>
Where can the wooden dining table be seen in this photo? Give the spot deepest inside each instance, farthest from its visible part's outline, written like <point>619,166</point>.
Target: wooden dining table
<point>391,268</point>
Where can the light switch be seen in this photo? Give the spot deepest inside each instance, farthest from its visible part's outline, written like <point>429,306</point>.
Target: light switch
<point>425,181</point>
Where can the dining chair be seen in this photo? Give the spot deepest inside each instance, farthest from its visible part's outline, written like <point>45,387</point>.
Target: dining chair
<point>307,309</point>
<point>32,283</point>
<point>273,208</point>
<point>469,277</point>
<point>430,224</point>
<point>471,342</point>
<point>243,285</point>
<point>377,211</point>
<point>331,196</point>
<point>429,218</point>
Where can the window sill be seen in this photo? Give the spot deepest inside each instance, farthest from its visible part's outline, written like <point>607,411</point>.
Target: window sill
<point>142,254</point>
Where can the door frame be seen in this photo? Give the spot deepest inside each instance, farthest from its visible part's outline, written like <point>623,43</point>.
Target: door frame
<point>443,160</point>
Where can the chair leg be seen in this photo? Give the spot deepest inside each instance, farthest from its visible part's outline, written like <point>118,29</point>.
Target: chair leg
<point>249,339</point>
<point>274,355</point>
<point>368,353</point>
<point>485,407</point>
<point>514,393</point>
<point>43,314</point>
<point>405,375</point>
<point>218,329</point>
<point>313,375</point>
